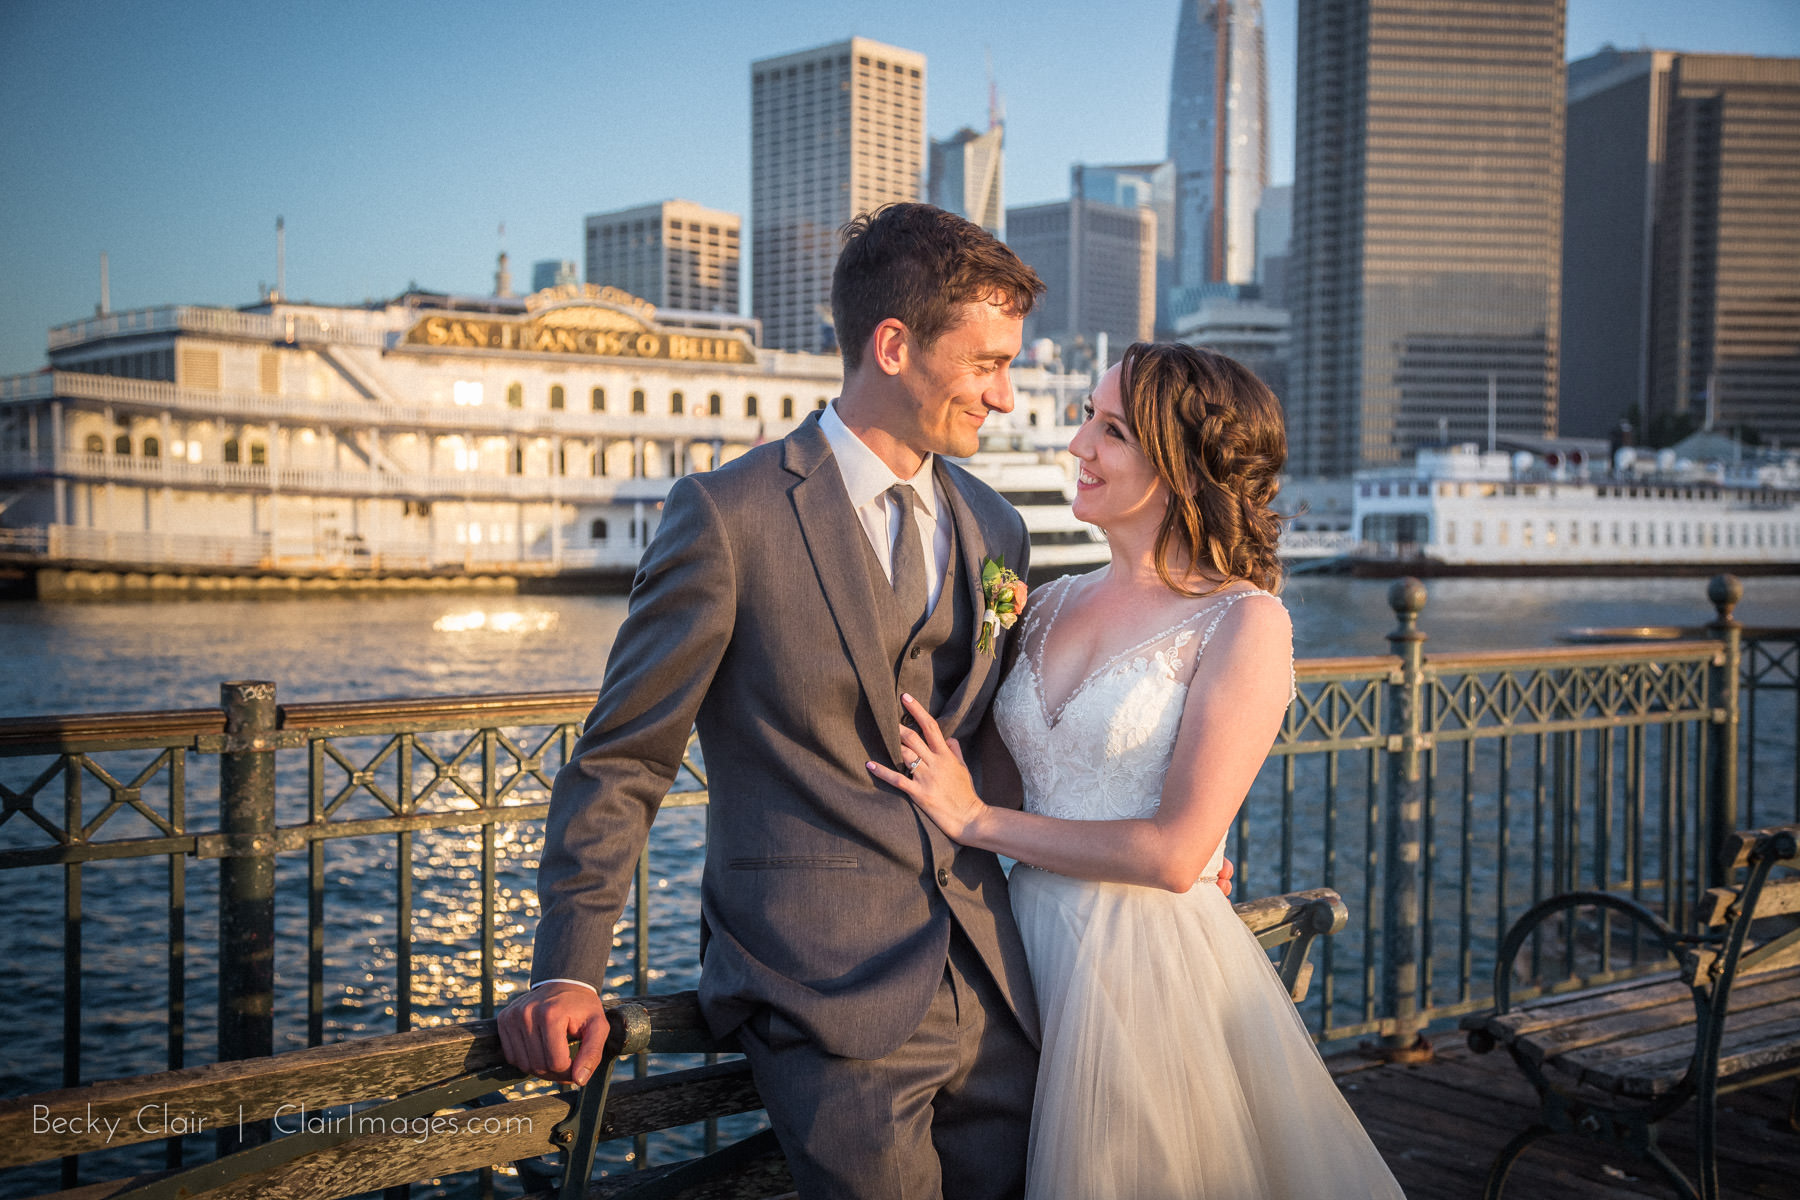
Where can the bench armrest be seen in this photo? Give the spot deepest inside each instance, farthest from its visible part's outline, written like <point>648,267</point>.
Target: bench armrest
<point>1663,934</point>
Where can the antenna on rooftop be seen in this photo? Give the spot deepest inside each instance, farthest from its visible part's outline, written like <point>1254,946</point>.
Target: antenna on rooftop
<point>996,114</point>
<point>280,260</point>
<point>105,305</point>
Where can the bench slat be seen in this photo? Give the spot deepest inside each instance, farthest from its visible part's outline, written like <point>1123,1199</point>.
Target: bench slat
<point>1653,1063</point>
<point>1654,1043</point>
<point>1779,897</point>
<point>1677,1013</point>
<point>1649,992</point>
<point>319,1078</point>
<point>374,1161</point>
<point>676,1098</point>
<point>1746,1049</point>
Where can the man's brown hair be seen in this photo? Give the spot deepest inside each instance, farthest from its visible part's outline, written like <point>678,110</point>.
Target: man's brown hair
<point>920,265</point>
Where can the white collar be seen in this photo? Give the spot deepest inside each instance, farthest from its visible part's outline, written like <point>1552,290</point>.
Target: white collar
<point>866,477</point>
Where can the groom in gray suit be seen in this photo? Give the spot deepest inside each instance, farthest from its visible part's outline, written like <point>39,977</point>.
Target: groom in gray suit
<point>869,966</point>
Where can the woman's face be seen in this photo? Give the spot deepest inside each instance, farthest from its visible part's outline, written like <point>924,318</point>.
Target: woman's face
<point>1115,486</point>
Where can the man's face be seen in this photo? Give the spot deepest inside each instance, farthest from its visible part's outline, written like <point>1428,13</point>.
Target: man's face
<point>953,384</point>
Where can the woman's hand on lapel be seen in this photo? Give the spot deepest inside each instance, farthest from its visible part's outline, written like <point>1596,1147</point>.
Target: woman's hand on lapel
<point>935,776</point>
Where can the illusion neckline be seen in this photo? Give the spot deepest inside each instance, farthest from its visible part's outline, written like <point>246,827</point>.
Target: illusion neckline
<point>1053,717</point>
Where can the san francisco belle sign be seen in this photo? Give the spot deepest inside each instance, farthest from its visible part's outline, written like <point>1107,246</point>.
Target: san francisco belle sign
<point>580,319</point>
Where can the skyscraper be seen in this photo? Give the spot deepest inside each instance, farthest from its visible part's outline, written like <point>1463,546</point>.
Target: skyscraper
<point>833,132</point>
<point>1724,336</point>
<point>1218,139</point>
<point>1098,264</point>
<point>1138,185</point>
<point>1427,226</point>
<point>553,272</point>
<point>675,254</point>
<point>968,176</point>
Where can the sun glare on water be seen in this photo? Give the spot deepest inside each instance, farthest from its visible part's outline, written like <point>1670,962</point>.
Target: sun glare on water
<point>475,620</point>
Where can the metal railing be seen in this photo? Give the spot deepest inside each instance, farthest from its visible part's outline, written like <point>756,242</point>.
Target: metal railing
<point>1441,796</point>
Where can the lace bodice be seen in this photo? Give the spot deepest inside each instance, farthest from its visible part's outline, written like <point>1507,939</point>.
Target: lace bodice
<point>1103,753</point>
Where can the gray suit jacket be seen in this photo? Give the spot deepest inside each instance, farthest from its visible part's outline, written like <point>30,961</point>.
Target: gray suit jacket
<point>826,896</point>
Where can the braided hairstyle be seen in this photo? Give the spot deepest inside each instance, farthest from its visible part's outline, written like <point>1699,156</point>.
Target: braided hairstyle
<point>1214,435</point>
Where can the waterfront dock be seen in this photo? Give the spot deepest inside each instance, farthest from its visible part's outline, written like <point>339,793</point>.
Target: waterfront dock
<point>374,864</point>
<point>1440,1124</point>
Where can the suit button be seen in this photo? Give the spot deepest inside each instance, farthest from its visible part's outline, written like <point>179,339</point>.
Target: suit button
<point>915,652</point>
<point>943,877</point>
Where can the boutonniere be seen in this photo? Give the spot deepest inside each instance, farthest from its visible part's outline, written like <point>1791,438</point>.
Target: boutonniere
<point>1003,599</point>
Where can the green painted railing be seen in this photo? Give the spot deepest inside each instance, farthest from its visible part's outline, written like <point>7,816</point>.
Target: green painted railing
<point>1440,795</point>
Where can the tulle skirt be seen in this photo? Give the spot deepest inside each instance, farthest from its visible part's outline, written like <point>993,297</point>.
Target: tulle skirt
<point>1174,1065</point>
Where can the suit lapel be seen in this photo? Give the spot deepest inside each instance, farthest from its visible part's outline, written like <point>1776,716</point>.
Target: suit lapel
<point>972,541</point>
<point>835,542</point>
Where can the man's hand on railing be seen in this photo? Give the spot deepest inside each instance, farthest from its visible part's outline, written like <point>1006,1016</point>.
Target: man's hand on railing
<point>537,1027</point>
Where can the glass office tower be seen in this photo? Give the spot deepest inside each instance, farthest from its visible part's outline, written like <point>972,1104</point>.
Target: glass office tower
<point>1427,226</point>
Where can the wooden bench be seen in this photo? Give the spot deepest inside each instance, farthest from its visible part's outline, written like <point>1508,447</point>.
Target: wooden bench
<point>1612,1061</point>
<point>386,1111</point>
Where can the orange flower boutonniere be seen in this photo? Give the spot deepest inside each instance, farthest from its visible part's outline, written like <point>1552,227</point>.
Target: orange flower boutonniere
<point>1003,599</point>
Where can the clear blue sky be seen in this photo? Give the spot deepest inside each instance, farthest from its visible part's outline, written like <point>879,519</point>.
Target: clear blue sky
<point>396,137</point>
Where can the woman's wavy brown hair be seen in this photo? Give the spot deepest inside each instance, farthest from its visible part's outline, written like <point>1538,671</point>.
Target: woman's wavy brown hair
<point>1215,436</point>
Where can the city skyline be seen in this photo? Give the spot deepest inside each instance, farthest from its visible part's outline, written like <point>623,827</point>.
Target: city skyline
<point>396,147</point>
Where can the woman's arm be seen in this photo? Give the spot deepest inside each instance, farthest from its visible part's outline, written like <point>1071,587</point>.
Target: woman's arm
<point>1232,714</point>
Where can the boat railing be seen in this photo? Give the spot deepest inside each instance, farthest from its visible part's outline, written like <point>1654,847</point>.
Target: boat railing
<point>374,859</point>
<point>246,408</point>
<point>220,322</point>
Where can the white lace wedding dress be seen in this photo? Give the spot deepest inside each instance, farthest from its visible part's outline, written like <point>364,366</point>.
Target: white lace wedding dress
<point>1173,1065</point>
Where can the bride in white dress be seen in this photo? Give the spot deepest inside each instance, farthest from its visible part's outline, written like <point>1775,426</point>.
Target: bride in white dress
<point>1142,701</point>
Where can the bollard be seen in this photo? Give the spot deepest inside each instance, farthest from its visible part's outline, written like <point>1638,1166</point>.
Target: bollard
<point>1722,754</point>
<point>1405,828</point>
<point>247,884</point>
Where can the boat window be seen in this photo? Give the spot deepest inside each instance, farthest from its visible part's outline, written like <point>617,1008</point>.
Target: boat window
<point>557,397</point>
<point>515,395</point>
<point>637,400</point>
<point>715,405</point>
<point>598,399</point>
<point>597,531</point>
<point>152,448</point>
<point>259,454</point>
<point>96,444</point>
<point>122,444</point>
<point>787,408</point>
<point>677,403</point>
<point>231,450</point>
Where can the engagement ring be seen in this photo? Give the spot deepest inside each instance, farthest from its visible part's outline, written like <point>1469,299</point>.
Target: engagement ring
<point>909,766</point>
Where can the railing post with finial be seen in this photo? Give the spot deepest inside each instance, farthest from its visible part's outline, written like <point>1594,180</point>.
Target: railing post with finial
<point>247,884</point>
<point>1722,755</point>
<point>1405,825</point>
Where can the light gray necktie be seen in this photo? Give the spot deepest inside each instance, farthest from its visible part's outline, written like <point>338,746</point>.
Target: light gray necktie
<point>910,588</point>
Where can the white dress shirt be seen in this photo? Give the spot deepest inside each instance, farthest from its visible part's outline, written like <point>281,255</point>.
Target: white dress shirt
<point>867,480</point>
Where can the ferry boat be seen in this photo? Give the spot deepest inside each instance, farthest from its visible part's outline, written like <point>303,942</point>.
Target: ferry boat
<point>431,440</point>
<point>1459,510</point>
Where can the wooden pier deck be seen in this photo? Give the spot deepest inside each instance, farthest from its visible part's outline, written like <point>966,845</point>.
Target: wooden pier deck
<point>1440,1125</point>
